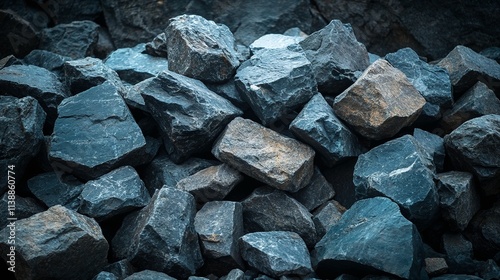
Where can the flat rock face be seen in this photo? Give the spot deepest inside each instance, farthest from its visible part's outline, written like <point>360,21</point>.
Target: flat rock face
<point>265,155</point>
<point>434,145</point>
<point>337,58</point>
<point>275,82</point>
<point>58,238</point>
<point>46,59</point>
<point>356,246</point>
<point>158,46</point>
<point>276,253</point>
<point>189,115</point>
<point>95,133</point>
<point>403,171</point>
<point>316,193</point>
<point>326,216</point>
<point>380,102</point>
<point>201,49</point>
<point>52,190</point>
<point>162,236</point>
<point>274,41</point>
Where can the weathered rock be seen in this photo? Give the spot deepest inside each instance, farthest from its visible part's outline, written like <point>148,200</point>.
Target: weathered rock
<point>95,133</point>
<point>458,252</point>
<point>104,275</point>
<point>275,82</point>
<point>46,59</point>
<point>133,96</point>
<point>483,232</point>
<point>267,209</point>
<point>18,36</point>
<point>318,126</point>
<point>121,269</point>
<point>235,274</point>
<point>148,243</point>
<point>24,207</point>
<point>211,183</point>
<point>10,60</point>
<point>473,147</point>
<point>149,275</point>
<point>229,91</point>
<point>380,102</point>
<point>398,251</point>
<point>433,144</point>
<point>189,115</point>
<point>326,216</point>
<point>274,41</point>
<point>58,238</point>
<point>133,66</point>
<point>478,101</point>
<point>158,46</point>
<point>401,170</point>
<point>316,193</point>
<point>466,67</point>
<point>276,253</point>
<point>435,266</point>
<point>52,190</point>
<point>219,225</point>
<point>265,155</point>
<point>337,58</point>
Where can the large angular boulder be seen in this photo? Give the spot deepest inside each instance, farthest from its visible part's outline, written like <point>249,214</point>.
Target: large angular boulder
<point>372,237</point>
<point>52,190</point>
<point>380,102</point>
<point>403,171</point>
<point>60,238</point>
<point>18,35</point>
<point>95,133</point>
<point>265,155</point>
<point>189,115</point>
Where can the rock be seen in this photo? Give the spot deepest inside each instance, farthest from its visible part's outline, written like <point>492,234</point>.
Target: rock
<point>121,269</point>
<point>380,102</point>
<point>401,170</point>
<point>95,133</point>
<point>52,190</point>
<point>457,277</point>
<point>430,115</point>
<point>466,67</point>
<point>490,270</point>
<point>201,49</point>
<point>373,57</point>
<point>337,58</point>
<point>103,275</point>
<point>295,32</point>
<point>66,10</point>
<point>133,66</point>
<point>267,209</point>
<point>104,44</point>
<point>145,240</point>
<point>18,36</point>
<point>25,207</point>
<point>276,253</point>
<point>397,252</point>
<point>341,178</point>
<point>433,144</point>
<point>211,183</point>
<point>274,41</point>
<point>316,193</point>
<point>484,234</point>
<point>491,53</point>
<point>76,40</point>
<point>149,275</point>
<point>435,266</point>
<point>265,155</point>
<point>45,59</point>
<point>219,225</point>
<point>58,238</point>
<point>326,216</point>
<point>275,82</point>
<point>458,252</point>
<point>189,115</point>
<point>318,126</point>
<point>235,274</point>
<point>10,60</point>
<point>473,147</point>
<point>158,46</point>
<point>229,91</point>
<point>478,101</point>
<point>133,96</point>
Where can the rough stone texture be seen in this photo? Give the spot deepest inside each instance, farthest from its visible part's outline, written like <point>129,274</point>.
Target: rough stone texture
<point>219,225</point>
<point>380,102</point>
<point>466,67</point>
<point>211,183</point>
<point>274,41</point>
<point>25,207</point>
<point>478,101</point>
<point>473,147</point>
<point>145,240</point>
<point>267,209</point>
<point>435,266</point>
<point>133,96</point>
<point>316,193</point>
<point>403,171</point>
<point>45,59</point>
<point>116,192</point>
<point>58,238</point>
<point>104,275</point>
<point>484,232</point>
<point>149,275</point>
<point>318,126</point>
<point>276,253</point>
<point>275,82</point>
<point>229,91</point>
<point>326,216</point>
<point>433,144</point>
<point>52,190</point>
<point>157,46</point>
<point>344,248</point>
<point>18,36</point>
<point>122,268</point>
<point>95,133</point>
<point>265,155</point>
<point>133,66</point>
<point>201,49</point>
<point>189,115</point>
<point>76,39</point>
<point>235,274</point>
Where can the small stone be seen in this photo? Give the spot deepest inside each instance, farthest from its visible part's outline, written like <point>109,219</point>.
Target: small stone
<point>326,216</point>
<point>484,233</point>
<point>121,269</point>
<point>10,60</point>
<point>276,253</point>
<point>17,36</point>
<point>149,275</point>
<point>274,41</point>
<point>433,144</point>
<point>235,274</point>
<point>158,46</point>
<point>316,193</point>
<point>25,207</point>
<point>133,96</point>
<point>104,275</point>
<point>45,59</point>
<point>229,91</point>
<point>435,266</point>
<point>52,190</point>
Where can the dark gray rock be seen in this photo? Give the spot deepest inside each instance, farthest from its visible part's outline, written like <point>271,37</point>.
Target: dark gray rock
<point>149,275</point>
<point>430,115</point>
<point>337,58</point>
<point>267,209</point>
<point>326,216</point>
<point>133,66</point>
<point>148,243</point>
<point>341,178</point>
<point>133,96</point>
<point>433,144</point>
<point>403,171</point>
<point>459,254</point>
<point>276,253</point>
<point>25,207</point>
<point>473,147</point>
<point>65,11</point>
<point>52,190</point>
<point>490,270</point>
<point>18,36</point>
<point>104,44</point>
<point>211,183</point>
<point>491,53</point>
<point>484,232</point>
<point>95,133</point>
<point>316,193</point>
<point>457,277</point>
<point>435,266</point>
<point>398,251</point>
<point>189,115</point>
<point>274,41</point>
<point>58,238</point>
<point>265,155</point>
<point>235,274</point>
<point>104,275</point>
<point>229,91</point>
<point>219,225</point>
<point>275,82</point>
<point>158,46</point>
<point>318,126</point>
<point>76,40</point>
<point>46,59</point>
<point>121,269</point>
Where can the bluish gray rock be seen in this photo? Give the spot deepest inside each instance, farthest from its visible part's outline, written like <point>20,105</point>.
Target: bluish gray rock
<point>157,46</point>
<point>52,190</point>
<point>459,253</point>
<point>18,35</point>
<point>235,274</point>
<point>316,193</point>
<point>229,91</point>
<point>433,144</point>
<point>276,253</point>
<point>133,96</point>
<point>25,207</point>
<point>326,216</point>
<point>274,41</point>
<point>149,275</point>
<point>46,59</point>
<point>121,269</point>
<point>482,232</point>
<point>457,277</point>
<point>104,275</point>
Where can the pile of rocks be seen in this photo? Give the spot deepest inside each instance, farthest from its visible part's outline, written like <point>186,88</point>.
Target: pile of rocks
<point>298,157</point>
